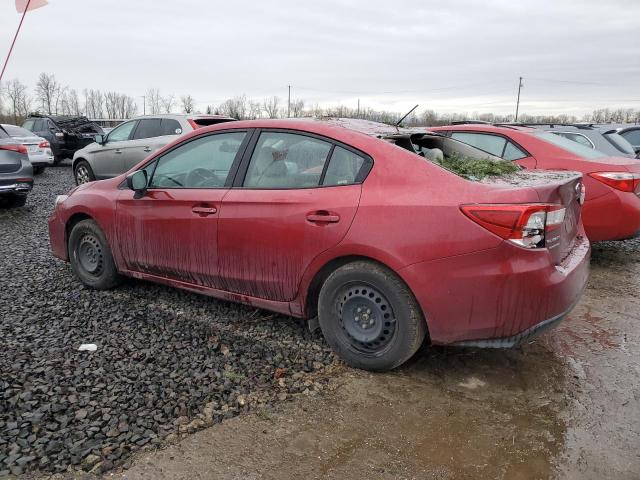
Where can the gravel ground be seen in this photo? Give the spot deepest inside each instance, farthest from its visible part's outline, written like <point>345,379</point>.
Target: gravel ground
<point>167,362</point>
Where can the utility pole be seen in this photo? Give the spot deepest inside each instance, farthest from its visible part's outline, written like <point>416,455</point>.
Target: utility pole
<point>144,104</point>
<point>358,108</point>
<point>518,102</point>
<point>289,104</point>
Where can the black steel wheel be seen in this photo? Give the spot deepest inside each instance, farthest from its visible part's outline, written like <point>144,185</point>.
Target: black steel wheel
<point>370,317</point>
<point>90,256</point>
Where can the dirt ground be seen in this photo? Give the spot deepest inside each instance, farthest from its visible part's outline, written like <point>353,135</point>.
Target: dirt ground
<point>565,405</point>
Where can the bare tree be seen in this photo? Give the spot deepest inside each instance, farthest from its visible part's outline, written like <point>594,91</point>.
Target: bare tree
<point>167,103</point>
<point>19,101</point>
<point>94,101</point>
<point>188,103</point>
<point>47,92</point>
<point>74,102</point>
<point>235,107</point>
<point>154,101</point>
<point>271,106</point>
<point>297,108</point>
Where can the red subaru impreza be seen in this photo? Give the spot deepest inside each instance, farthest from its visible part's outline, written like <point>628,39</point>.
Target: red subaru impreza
<point>612,207</point>
<point>312,219</point>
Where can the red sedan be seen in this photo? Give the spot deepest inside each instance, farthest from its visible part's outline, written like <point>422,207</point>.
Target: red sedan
<point>308,218</point>
<point>612,207</point>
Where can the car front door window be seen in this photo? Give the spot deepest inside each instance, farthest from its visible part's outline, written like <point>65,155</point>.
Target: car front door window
<point>201,163</point>
<point>121,133</point>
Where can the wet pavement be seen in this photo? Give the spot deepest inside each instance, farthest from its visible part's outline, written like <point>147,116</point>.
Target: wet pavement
<point>566,405</point>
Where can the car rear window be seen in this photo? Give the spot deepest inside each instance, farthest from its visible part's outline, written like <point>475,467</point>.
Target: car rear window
<point>570,145</point>
<point>3,133</point>
<point>632,136</point>
<point>15,131</point>
<point>620,143</point>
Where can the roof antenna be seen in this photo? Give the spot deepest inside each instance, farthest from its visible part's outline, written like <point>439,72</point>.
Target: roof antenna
<point>407,114</point>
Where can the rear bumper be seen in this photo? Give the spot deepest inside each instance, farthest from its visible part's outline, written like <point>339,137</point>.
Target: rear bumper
<point>499,296</point>
<point>614,216</point>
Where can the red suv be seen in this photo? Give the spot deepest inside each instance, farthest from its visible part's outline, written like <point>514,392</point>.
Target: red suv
<point>309,219</point>
<point>612,207</point>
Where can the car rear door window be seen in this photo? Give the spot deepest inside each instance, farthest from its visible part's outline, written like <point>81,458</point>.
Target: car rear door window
<point>343,168</point>
<point>29,124</point>
<point>286,160</point>
<point>169,126</point>
<point>620,143</point>
<point>201,163</point>
<point>121,132</point>
<point>147,128</point>
<point>492,144</point>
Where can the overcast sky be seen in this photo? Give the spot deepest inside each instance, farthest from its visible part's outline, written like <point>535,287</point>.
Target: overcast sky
<point>463,56</point>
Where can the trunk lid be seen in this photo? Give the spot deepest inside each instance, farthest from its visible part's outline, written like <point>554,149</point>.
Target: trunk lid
<point>10,161</point>
<point>561,188</point>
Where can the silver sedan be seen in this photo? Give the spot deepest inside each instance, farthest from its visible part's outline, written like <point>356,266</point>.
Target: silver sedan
<point>38,148</point>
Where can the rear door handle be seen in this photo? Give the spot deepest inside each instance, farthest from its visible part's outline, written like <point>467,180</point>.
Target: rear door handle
<point>146,149</point>
<point>204,211</point>
<point>323,217</point>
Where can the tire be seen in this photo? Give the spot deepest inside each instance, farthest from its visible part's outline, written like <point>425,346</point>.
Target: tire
<point>91,258</point>
<point>83,173</point>
<point>370,317</point>
<point>57,159</point>
<point>17,201</point>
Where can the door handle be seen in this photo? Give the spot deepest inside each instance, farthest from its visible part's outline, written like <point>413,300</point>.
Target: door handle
<point>323,217</point>
<point>118,151</point>
<point>146,149</point>
<point>204,211</point>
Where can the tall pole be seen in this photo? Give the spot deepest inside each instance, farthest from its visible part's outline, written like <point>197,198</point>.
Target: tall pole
<point>144,104</point>
<point>518,102</point>
<point>6,61</point>
<point>358,108</point>
<point>289,104</point>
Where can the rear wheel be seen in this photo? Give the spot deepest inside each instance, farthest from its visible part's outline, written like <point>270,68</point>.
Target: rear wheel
<point>91,258</point>
<point>83,173</point>
<point>369,316</point>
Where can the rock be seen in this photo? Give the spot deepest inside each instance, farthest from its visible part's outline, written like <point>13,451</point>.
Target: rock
<point>89,462</point>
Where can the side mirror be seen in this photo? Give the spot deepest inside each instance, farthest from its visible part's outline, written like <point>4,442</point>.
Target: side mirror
<point>100,139</point>
<point>137,181</point>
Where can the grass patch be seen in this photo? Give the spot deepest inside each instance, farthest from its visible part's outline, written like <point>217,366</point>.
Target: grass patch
<point>477,169</point>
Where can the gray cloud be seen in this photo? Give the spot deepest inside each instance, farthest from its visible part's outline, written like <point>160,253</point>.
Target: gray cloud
<point>449,56</point>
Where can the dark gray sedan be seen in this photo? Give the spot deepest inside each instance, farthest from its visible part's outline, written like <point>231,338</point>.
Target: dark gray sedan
<point>16,172</point>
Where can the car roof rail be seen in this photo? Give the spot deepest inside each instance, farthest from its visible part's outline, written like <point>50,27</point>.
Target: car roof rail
<point>553,124</point>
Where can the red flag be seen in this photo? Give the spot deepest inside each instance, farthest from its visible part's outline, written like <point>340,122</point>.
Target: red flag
<point>21,5</point>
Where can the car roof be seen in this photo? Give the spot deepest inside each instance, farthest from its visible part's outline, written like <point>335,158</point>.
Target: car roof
<point>485,127</point>
<point>177,116</point>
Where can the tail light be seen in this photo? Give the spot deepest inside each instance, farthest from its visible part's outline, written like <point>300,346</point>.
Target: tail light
<point>14,148</point>
<point>522,224</point>
<point>623,181</point>
<point>44,144</point>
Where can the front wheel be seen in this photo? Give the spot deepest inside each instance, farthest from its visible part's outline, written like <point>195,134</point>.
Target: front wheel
<point>83,173</point>
<point>91,258</point>
<point>370,317</point>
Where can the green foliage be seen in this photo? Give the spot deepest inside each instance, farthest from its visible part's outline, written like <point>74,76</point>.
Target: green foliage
<point>477,169</point>
<point>233,376</point>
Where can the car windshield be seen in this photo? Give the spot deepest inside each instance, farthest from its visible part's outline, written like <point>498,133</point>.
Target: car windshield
<point>620,143</point>
<point>15,131</point>
<point>571,146</point>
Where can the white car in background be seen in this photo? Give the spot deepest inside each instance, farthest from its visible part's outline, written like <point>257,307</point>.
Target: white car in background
<point>131,142</point>
<point>38,148</point>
